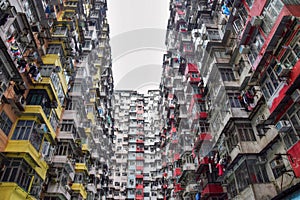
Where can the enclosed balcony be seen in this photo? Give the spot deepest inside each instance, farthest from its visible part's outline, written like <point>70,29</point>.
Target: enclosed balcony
<point>213,190</point>
<point>250,177</point>
<point>12,186</point>
<point>27,138</point>
<point>65,162</point>
<point>58,185</point>
<point>241,139</point>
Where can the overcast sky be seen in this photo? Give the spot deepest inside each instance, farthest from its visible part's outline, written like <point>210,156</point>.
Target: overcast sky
<point>137,32</point>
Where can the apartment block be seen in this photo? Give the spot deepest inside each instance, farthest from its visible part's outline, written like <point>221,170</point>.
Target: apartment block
<point>137,156</point>
<point>56,90</point>
<point>229,88</point>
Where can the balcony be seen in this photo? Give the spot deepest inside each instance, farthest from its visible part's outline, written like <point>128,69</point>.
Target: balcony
<point>203,162</point>
<point>91,187</point>
<point>202,115</point>
<point>64,161</point>
<point>138,141</point>
<point>259,191</point>
<point>57,190</point>
<point>10,190</point>
<point>212,189</point>
<point>81,167</point>
<point>23,147</point>
<point>37,110</point>
<point>249,147</point>
<point>139,158</point>
<point>79,188</point>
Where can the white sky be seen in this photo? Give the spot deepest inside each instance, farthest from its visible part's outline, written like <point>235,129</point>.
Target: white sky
<point>137,32</point>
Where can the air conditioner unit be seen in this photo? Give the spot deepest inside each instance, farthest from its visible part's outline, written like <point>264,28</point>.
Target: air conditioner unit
<point>296,95</point>
<point>277,163</point>
<point>45,149</point>
<point>21,102</point>
<point>283,126</point>
<point>281,70</point>
<point>244,49</point>
<point>256,21</point>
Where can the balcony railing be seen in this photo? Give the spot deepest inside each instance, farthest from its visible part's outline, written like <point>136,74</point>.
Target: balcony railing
<point>57,189</point>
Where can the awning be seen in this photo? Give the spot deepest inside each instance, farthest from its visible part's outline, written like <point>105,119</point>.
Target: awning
<point>192,68</point>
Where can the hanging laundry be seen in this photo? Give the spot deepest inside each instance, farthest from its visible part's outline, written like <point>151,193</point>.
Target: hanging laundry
<point>220,168</point>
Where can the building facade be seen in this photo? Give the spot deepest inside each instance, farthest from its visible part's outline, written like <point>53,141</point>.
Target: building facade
<point>56,90</point>
<point>137,156</point>
<point>230,98</point>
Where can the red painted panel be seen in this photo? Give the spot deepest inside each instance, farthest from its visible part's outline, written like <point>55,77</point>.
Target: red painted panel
<point>177,171</point>
<point>212,189</point>
<point>205,160</point>
<point>294,158</point>
<point>295,73</point>
<point>204,136</point>
<point>177,187</point>
<point>203,115</point>
<point>293,10</point>
<point>191,68</point>
<point>257,7</point>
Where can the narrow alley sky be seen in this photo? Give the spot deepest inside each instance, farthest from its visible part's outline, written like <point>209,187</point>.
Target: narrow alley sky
<point>137,38</point>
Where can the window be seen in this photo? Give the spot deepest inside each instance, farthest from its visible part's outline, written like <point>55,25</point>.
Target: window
<point>63,149</point>
<point>22,130</point>
<point>270,15</point>
<point>233,100</point>
<point>242,177</point>
<point>79,177</point>
<point>257,172</point>
<point>5,124</point>
<point>227,74</point>
<point>41,98</point>
<point>213,34</point>
<point>231,187</point>
<point>57,86</point>
<point>54,120</point>
<point>187,48</point>
<point>292,53</point>
<point>17,170</point>
<point>25,131</point>
<point>245,132</point>
<point>277,167</point>
<point>194,75</point>
<point>269,82</point>
<point>60,30</point>
<point>54,49</point>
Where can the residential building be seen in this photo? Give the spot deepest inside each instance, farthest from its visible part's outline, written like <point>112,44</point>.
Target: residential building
<point>137,156</point>
<point>56,90</point>
<point>230,79</point>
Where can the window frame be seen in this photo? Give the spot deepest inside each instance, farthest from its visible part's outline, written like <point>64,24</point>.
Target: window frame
<point>6,123</point>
